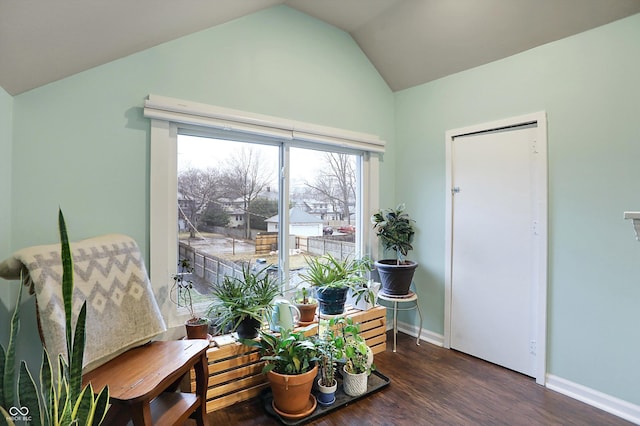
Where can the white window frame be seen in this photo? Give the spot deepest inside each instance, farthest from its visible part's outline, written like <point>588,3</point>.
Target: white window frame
<point>171,116</point>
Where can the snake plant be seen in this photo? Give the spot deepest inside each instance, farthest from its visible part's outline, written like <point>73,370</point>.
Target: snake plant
<point>62,399</point>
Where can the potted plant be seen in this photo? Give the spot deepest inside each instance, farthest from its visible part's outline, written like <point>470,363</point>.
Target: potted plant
<point>332,278</point>
<point>364,296</point>
<point>290,368</point>
<point>395,229</point>
<point>197,327</point>
<point>306,304</point>
<point>357,356</point>
<point>243,304</point>
<point>327,356</point>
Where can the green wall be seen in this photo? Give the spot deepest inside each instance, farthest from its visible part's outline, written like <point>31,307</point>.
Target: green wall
<point>589,86</point>
<point>82,143</point>
<point>6,126</point>
<point>86,143</point>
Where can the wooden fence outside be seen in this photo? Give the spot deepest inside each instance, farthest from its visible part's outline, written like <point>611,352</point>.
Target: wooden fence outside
<point>336,246</point>
<point>210,268</point>
<point>266,242</point>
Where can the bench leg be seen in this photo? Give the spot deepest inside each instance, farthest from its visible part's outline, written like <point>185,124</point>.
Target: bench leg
<point>202,379</point>
<point>141,414</point>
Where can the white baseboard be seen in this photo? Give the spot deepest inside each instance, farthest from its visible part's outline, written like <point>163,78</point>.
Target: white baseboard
<point>608,403</point>
<point>412,330</point>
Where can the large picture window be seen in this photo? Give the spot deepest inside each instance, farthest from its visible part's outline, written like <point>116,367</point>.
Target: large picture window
<point>226,192</point>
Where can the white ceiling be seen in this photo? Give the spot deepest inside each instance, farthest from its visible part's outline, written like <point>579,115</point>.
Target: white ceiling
<point>409,41</point>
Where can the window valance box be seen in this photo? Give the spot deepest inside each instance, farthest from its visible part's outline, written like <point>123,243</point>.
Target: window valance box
<point>197,114</point>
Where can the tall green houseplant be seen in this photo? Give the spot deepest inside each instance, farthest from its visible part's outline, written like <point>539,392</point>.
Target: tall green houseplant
<point>395,229</point>
<point>62,399</point>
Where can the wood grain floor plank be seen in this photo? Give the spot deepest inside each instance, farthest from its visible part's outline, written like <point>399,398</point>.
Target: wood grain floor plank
<point>436,386</point>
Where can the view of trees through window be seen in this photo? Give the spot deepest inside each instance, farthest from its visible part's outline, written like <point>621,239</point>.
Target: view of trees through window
<point>228,198</point>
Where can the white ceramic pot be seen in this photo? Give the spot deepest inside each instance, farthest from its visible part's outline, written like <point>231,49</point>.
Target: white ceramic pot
<point>354,384</point>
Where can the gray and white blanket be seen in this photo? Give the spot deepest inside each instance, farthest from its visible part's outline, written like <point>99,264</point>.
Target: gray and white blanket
<point>109,273</point>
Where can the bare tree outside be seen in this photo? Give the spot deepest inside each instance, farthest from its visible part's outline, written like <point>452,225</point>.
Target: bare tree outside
<point>227,190</point>
<point>197,188</point>
<point>336,183</point>
<point>246,176</point>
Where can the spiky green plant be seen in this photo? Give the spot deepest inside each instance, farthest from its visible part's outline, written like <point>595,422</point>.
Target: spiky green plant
<point>329,272</point>
<point>63,401</point>
<point>236,299</point>
<point>7,364</point>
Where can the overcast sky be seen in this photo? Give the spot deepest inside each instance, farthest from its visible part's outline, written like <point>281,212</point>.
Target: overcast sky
<point>203,153</point>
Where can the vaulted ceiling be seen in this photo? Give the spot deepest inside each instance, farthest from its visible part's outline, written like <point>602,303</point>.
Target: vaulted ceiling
<point>410,42</point>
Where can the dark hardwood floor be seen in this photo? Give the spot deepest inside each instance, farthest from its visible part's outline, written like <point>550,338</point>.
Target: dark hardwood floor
<point>436,386</point>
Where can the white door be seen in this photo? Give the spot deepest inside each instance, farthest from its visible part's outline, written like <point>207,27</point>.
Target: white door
<point>493,288</point>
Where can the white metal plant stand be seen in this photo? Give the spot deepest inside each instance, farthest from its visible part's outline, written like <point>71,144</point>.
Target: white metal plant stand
<point>410,297</point>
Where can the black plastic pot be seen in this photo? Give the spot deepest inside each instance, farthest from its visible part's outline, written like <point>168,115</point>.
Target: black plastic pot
<point>395,278</point>
<point>248,328</point>
<point>331,300</point>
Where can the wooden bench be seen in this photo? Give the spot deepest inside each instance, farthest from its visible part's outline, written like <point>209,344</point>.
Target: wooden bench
<point>143,380</point>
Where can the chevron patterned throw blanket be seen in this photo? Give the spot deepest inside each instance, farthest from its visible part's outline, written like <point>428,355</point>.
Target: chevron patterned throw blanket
<point>109,273</point>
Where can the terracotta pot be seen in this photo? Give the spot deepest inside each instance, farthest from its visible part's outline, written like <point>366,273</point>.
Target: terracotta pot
<point>197,330</point>
<point>291,392</point>
<point>307,311</point>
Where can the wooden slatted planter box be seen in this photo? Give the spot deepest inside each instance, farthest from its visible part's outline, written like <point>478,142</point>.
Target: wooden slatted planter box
<point>235,370</point>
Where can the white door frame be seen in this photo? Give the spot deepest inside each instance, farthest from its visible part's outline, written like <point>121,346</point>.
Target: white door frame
<point>540,228</point>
